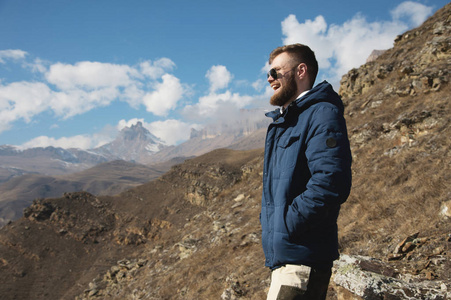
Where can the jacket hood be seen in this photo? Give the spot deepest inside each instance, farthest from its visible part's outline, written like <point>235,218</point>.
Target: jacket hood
<point>322,92</point>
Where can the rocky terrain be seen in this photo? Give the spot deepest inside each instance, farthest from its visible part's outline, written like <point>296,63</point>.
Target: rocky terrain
<point>194,233</point>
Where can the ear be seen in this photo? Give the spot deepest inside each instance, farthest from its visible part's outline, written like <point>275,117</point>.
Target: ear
<point>302,71</point>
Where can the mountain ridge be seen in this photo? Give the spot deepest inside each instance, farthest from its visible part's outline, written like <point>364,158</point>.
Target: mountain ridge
<point>134,143</point>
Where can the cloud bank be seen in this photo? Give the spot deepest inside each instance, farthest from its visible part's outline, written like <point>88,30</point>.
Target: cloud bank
<point>69,90</point>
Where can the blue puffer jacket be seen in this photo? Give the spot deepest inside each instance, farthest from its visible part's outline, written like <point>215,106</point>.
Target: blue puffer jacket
<point>306,177</point>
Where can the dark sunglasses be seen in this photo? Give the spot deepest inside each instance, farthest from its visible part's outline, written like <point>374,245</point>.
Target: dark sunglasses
<point>274,75</point>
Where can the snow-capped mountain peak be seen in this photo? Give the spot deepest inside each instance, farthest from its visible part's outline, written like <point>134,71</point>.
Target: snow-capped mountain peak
<point>133,143</point>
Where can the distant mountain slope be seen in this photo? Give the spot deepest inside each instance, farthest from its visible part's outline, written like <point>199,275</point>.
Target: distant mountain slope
<point>254,140</point>
<point>104,179</point>
<point>114,177</point>
<point>132,144</point>
<point>47,161</point>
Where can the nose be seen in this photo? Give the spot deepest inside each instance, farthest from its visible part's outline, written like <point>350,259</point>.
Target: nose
<point>270,79</point>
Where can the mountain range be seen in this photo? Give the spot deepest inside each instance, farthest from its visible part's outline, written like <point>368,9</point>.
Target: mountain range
<point>48,172</point>
<point>133,144</point>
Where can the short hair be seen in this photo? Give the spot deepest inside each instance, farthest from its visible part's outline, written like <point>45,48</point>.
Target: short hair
<point>302,54</point>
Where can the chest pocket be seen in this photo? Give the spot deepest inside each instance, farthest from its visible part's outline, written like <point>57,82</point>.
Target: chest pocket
<point>287,151</point>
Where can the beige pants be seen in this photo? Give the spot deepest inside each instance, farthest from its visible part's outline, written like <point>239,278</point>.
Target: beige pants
<point>288,275</point>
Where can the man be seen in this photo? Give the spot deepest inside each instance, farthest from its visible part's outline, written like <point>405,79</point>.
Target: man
<point>306,176</point>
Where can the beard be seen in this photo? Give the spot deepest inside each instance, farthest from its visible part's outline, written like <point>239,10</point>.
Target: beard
<point>285,93</point>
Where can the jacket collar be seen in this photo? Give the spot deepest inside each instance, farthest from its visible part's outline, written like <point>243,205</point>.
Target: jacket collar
<point>322,92</point>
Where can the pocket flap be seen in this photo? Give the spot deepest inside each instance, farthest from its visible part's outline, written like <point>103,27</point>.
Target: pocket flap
<point>285,142</point>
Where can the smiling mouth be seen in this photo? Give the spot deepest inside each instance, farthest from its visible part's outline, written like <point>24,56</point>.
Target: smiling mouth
<point>275,87</point>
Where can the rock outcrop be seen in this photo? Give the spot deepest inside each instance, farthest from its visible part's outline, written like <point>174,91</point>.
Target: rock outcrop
<point>359,277</point>
<point>417,64</point>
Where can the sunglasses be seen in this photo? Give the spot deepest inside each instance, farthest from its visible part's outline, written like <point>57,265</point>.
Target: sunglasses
<point>274,75</point>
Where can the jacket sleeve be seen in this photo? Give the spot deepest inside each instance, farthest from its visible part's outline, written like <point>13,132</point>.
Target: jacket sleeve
<point>328,157</point>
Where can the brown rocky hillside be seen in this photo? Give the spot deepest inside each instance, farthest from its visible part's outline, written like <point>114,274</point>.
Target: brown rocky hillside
<point>194,232</point>
<point>107,178</point>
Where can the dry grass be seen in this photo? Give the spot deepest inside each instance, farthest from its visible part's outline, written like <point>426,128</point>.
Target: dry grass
<point>399,183</point>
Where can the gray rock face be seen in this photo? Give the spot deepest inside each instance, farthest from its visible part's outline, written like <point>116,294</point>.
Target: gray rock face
<point>370,279</point>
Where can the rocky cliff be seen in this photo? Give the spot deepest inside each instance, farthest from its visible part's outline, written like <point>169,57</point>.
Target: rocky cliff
<point>194,232</point>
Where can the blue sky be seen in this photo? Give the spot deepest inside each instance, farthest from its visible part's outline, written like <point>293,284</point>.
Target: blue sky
<point>73,73</point>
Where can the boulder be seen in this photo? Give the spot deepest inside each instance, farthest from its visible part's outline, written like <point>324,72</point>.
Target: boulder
<point>361,277</point>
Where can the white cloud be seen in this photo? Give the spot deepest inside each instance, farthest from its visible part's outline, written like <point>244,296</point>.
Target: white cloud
<point>133,95</point>
<point>354,41</point>
<point>156,69</point>
<point>90,75</point>
<point>84,141</point>
<point>67,90</point>
<point>172,131</point>
<point>266,68</point>
<point>75,102</point>
<point>312,33</point>
<point>12,54</point>
<point>414,12</point>
<point>78,141</point>
<point>22,100</point>
<point>38,66</point>
<point>339,48</point>
<point>211,106</point>
<point>219,77</point>
<point>165,96</point>
<point>214,105</point>
<point>259,84</point>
